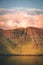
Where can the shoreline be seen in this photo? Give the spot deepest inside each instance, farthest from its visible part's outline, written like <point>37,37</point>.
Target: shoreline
<point>21,54</point>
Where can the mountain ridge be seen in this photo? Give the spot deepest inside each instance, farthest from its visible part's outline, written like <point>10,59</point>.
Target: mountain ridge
<point>22,38</point>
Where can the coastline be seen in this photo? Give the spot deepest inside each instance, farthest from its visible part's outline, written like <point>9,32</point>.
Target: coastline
<point>21,54</point>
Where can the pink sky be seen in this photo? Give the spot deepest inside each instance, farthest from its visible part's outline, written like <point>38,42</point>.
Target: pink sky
<point>20,19</point>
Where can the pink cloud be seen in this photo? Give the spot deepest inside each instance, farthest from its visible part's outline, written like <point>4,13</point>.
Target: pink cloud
<point>20,19</point>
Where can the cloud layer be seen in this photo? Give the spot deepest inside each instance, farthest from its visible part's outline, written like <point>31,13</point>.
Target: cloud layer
<point>21,17</point>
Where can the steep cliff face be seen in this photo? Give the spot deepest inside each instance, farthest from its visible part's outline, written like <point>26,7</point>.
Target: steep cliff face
<point>32,34</point>
<point>19,32</point>
<point>29,33</point>
<point>21,40</point>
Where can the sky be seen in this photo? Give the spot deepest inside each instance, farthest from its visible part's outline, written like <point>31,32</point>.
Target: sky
<point>21,13</point>
<point>21,3</point>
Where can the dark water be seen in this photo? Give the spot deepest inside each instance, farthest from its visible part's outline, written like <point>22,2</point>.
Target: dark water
<point>21,60</point>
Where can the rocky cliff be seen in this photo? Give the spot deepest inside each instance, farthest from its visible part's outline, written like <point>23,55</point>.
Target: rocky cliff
<point>21,37</point>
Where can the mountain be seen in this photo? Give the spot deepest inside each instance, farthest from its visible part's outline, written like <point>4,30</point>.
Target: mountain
<point>21,41</point>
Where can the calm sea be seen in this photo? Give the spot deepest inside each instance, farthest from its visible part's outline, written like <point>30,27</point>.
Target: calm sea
<point>21,60</point>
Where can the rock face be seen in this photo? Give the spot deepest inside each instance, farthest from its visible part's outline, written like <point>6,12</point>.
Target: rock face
<point>17,38</point>
<point>30,33</point>
<point>19,32</point>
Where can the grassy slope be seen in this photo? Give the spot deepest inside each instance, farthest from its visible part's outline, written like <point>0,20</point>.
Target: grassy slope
<point>9,46</point>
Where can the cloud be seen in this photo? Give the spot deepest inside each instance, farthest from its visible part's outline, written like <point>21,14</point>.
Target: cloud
<point>19,9</point>
<point>6,11</point>
<point>21,19</point>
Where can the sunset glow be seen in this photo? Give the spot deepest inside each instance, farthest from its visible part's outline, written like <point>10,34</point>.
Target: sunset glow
<point>9,23</point>
<point>21,13</point>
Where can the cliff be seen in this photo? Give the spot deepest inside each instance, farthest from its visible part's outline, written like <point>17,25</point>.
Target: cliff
<point>21,38</point>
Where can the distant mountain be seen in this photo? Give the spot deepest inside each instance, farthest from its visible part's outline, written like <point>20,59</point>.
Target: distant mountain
<point>21,40</point>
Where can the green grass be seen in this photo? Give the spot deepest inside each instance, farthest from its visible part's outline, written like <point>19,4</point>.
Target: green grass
<point>10,46</point>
